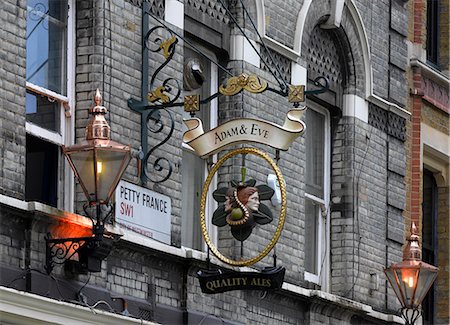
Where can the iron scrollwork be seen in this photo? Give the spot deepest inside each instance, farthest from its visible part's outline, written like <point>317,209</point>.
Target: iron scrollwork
<point>58,250</point>
<point>155,99</point>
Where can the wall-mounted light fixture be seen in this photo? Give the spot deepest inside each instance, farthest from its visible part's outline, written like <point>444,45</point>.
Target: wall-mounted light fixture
<point>411,279</point>
<point>98,164</point>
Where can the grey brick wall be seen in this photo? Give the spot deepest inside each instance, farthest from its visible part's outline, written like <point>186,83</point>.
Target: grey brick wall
<point>12,98</point>
<point>367,168</point>
<point>281,19</point>
<point>362,192</point>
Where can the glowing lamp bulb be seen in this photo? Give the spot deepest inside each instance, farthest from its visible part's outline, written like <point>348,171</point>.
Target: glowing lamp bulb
<point>410,281</point>
<point>99,167</point>
<point>409,278</point>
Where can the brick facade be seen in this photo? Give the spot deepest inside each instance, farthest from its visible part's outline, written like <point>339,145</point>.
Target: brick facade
<point>428,128</point>
<point>369,204</point>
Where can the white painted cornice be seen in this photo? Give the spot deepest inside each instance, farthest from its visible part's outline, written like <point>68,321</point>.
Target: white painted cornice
<point>18,307</point>
<point>430,72</point>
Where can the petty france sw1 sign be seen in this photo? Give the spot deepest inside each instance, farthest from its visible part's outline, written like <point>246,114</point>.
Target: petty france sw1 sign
<point>143,211</point>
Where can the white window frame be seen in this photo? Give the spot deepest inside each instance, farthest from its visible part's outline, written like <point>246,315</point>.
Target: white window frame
<point>66,134</point>
<point>323,229</point>
<point>211,204</point>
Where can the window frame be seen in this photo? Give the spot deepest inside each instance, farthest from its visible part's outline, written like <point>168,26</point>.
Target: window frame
<point>432,33</point>
<point>211,204</point>
<point>66,134</point>
<point>323,228</point>
<point>429,302</point>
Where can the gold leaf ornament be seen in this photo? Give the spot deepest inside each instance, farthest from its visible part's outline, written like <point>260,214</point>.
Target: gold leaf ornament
<point>251,83</point>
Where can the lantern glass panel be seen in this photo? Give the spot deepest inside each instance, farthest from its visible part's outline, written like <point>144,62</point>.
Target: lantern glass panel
<point>83,163</point>
<point>110,167</point>
<point>408,282</point>
<point>390,274</point>
<point>424,283</point>
<point>99,170</point>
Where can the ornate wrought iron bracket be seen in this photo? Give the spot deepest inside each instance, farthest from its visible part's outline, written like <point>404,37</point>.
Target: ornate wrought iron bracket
<point>59,250</point>
<point>91,250</point>
<point>155,99</point>
<point>410,315</point>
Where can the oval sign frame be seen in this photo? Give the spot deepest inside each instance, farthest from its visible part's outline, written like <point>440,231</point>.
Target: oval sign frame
<point>277,233</point>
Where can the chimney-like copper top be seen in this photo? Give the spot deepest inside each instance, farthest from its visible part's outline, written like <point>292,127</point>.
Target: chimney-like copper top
<point>412,250</point>
<point>97,127</point>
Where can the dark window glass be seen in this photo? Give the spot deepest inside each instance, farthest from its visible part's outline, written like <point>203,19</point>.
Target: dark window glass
<point>41,171</point>
<point>433,31</point>
<point>46,44</point>
<point>315,153</point>
<point>43,112</point>
<point>311,236</point>
<point>429,246</point>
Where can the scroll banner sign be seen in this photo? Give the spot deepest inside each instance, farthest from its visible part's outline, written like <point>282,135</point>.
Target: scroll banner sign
<point>243,130</point>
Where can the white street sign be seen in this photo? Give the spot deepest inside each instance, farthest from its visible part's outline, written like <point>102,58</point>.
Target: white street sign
<point>143,211</point>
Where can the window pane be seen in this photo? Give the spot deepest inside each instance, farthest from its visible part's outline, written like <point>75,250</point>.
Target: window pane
<point>46,44</point>
<point>42,112</point>
<point>433,31</point>
<point>315,148</point>
<point>193,177</point>
<point>429,247</point>
<point>41,171</point>
<point>311,236</point>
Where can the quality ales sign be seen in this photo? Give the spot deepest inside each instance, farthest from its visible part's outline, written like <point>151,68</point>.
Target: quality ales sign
<point>214,281</point>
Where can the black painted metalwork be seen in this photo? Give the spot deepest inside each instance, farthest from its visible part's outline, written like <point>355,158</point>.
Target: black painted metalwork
<point>410,315</point>
<point>59,250</point>
<point>91,250</point>
<point>320,82</point>
<point>161,98</point>
<point>157,98</point>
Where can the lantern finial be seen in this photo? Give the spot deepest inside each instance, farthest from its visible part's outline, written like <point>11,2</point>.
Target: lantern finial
<point>412,251</point>
<point>97,97</point>
<point>97,127</point>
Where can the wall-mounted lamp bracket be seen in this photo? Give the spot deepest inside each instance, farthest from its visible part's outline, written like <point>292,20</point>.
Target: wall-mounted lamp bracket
<point>91,250</point>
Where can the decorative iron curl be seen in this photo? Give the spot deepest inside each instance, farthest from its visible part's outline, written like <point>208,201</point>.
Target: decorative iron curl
<point>103,215</point>
<point>155,98</point>
<point>59,250</point>
<point>167,46</point>
<point>157,165</point>
<point>410,315</point>
<point>320,82</point>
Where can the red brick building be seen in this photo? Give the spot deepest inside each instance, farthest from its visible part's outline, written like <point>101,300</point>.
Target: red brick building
<point>429,144</point>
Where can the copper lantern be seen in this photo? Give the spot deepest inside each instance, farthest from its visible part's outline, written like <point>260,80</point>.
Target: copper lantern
<point>412,278</point>
<point>98,162</point>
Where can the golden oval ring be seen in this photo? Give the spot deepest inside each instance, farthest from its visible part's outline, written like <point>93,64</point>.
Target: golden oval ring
<point>276,236</point>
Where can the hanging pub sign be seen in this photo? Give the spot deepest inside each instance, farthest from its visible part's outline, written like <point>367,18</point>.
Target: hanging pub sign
<point>217,281</point>
<point>241,206</point>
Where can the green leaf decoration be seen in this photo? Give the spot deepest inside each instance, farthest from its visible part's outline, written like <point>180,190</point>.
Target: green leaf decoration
<point>265,192</point>
<point>219,218</point>
<point>241,233</point>
<point>219,194</point>
<point>263,216</point>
